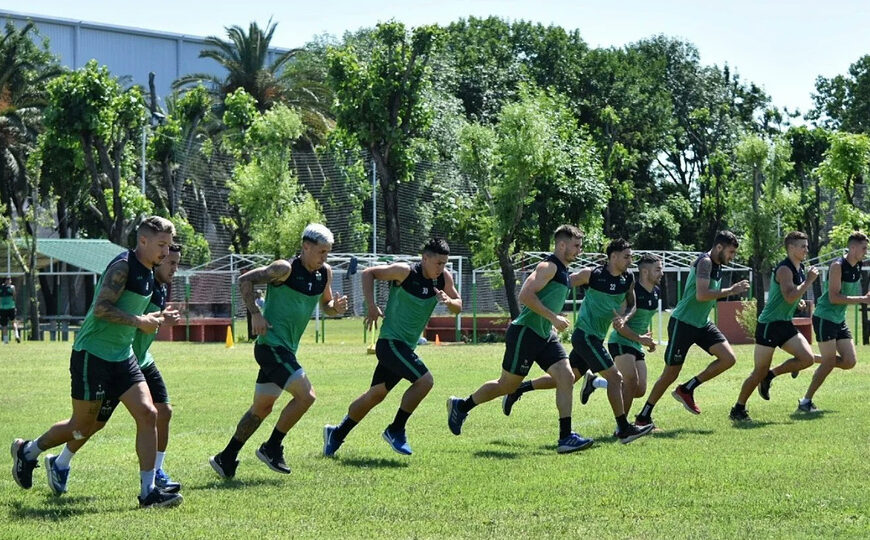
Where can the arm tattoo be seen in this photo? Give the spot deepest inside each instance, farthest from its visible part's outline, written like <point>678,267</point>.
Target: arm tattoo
<point>275,272</point>
<point>247,426</point>
<point>705,268</point>
<point>113,286</point>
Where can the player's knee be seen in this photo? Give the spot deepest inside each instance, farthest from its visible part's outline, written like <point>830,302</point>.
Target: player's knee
<point>164,411</point>
<point>848,362</point>
<point>262,410</point>
<point>146,414</point>
<point>640,390</point>
<point>308,398</point>
<point>728,360</point>
<point>425,383</point>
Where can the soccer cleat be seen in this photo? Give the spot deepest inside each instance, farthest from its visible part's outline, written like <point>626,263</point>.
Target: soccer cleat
<point>273,458</point>
<point>160,499</point>
<point>794,374</point>
<point>764,387</point>
<point>330,443</point>
<point>633,432</point>
<point>455,417</point>
<point>808,407</point>
<point>573,443</point>
<point>588,386</point>
<point>164,482</point>
<point>686,398</point>
<point>57,478</point>
<point>739,415</point>
<point>22,468</point>
<point>643,421</point>
<point>398,442</point>
<point>224,470</point>
<point>507,402</point>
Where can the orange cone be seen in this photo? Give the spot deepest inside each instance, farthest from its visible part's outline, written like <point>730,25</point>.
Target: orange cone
<point>437,340</point>
<point>230,343</point>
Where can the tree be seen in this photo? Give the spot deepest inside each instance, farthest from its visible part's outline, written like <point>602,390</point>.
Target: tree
<point>808,147</point>
<point>380,102</point>
<point>271,209</point>
<point>89,110</point>
<point>843,102</point>
<point>512,165</point>
<point>844,172</point>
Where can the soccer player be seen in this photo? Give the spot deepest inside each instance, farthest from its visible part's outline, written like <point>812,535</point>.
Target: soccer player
<point>829,318</point>
<point>414,292</point>
<point>530,338</point>
<point>775,328</point>
<point>609,286</point>
<point>626,343</point>
<point>294,288</point>
<point>57,468</point>
<point>7,310</point>
<point>690,325</point>
<point>103,364</point>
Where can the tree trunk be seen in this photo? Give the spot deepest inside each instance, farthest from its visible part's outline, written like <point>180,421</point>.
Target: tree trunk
<point>390,196</point>
<point>510,280</point>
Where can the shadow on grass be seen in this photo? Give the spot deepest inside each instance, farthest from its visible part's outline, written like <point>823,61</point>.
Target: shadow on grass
<point>496,454</point>
<point>56,509</point>
<point>755,424</point>
<point>234,483</point>
<point>374,463</point>
<point>802,416</point>
<point>675,433</point>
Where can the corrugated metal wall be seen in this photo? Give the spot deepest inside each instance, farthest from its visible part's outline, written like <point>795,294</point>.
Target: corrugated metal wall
<point>130,52</point>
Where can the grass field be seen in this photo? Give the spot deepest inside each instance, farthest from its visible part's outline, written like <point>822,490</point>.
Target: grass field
<point>699,477</point>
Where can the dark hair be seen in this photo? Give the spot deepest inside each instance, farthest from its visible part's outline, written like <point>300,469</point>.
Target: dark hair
<point>794,237</point>
<point>175,248</point>
<point>858,236</point>
<point>567,232</point>
<point>620,244</point>
<point>726,238</point>
<point>647,259</point>
<point>436,246</point>
<point>155,224</point>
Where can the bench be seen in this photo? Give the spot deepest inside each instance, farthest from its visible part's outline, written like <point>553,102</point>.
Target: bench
<point>445,327</point>
<point>202,330</point>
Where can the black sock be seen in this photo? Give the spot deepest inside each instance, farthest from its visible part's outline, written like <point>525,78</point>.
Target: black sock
<point>525,386</point>
<point>622,422</point>
<point>692,384</point>
<point>344,428</point>
<point>275,439</point>
<point>564,427</point>
<point>739,406</point>
<point>467,404</point>
<point>770,375</point>
<point>399,422</point>
<point>646,412</point>
<point>231,452</point>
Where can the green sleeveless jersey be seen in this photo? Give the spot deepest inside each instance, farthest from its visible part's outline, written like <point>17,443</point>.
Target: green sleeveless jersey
<point>7,297</point>
<point>409,307</point>
<point>604,294</point>
<point>142,341</point>
<point>111,341</point>
<point>289,305</point>
<point>776,308</point>
<point>647,303</point>
<point>553,295</point>
<point>689,310</point>
<point>850,285</point>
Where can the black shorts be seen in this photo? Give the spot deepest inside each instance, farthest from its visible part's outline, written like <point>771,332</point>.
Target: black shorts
<point>775,333</point>
<point>94,379</point>
<point>156,387</point>
<point>589,353</point>
<point>523,346</point>
<point>7,316</point>
<point>682,336</point>
<point>618,349</point>
<point>396,361</point>
<point>277,365</point>
<point>827,330</point>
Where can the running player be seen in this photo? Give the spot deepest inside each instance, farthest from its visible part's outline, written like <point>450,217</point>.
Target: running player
<point>57,468</point>
<point>775,328</point>
<point>295,288</point>
<point>690,325</point>
<point>7,310</point>
<point>530,338</point>
<point>103,364</point>
<point>414,292</point>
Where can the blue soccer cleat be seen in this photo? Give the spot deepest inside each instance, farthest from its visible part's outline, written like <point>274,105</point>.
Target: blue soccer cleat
<point>573,443</point>
<point>398,442</point>
<point>455,417</point>
<point>57,478</point>
<point>330,443</point>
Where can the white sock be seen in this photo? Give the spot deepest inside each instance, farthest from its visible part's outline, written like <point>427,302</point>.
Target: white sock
<point>147,479</point>
<point>66,455</point>
<point>158,463</point>
<point>804,401</point>
<point>32,451</point>
<point>599,382</point>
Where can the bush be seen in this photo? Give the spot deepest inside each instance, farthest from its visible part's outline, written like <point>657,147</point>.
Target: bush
<point>747,317</point>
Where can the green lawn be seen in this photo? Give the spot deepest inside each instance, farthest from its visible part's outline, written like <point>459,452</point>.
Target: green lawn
<point>699,477</point>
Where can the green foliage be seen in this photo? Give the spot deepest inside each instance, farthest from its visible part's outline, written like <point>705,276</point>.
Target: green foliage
<point>747,316</point>
<point>846,165</point>
<point>195,248</point>
<point>345,194</point>
<point>843,101</point>
<point>240,110</point>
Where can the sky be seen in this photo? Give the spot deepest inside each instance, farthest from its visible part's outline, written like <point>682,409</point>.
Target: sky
<point>780,45</point>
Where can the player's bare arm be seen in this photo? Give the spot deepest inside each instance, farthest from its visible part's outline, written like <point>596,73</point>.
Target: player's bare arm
<point>275,273</point>
<point>114,284</point>
<point>331,304</point>
<point>391,272</point>
<point>449,296</point>
<point>537,280</point>
<point>791,292</point>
